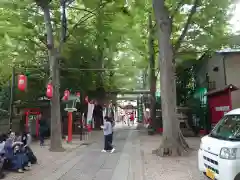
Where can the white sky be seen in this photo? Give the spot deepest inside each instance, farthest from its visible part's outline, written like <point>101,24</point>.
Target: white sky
<point>235,21</point>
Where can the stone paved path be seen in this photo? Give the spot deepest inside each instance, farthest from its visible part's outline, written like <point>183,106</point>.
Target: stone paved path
<point>49,162</point>
<point>131,161</point>
<point>95,165</point>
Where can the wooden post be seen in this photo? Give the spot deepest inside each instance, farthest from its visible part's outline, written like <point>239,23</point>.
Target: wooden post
<point>12,87</point>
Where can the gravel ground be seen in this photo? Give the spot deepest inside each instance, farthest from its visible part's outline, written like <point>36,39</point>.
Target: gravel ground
<point>170,168</point>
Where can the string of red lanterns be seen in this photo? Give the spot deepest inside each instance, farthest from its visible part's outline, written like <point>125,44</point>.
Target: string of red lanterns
<point>22,86</point>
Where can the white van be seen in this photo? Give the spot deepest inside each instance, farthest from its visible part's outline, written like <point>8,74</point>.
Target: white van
<point>219,152</point>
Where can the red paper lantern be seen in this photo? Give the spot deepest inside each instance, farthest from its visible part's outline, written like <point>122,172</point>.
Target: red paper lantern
<point>86,99</point>
<point>49,92</point>
<point>66,95</point>
<point>22,82</point>
<point>78,94</point>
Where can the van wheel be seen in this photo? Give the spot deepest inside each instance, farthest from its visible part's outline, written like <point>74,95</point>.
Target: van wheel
<point>237,177</point>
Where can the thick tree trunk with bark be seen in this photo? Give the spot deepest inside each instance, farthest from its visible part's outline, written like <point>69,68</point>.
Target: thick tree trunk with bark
<point>173,142</point>
<point>56,129</point>
<point>100,46</point>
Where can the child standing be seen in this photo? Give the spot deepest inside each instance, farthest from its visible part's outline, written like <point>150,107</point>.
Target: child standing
<point>108,132</point>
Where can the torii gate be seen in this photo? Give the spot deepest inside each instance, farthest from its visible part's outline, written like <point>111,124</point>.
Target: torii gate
<point>133,92</point>
<point>130,92</point>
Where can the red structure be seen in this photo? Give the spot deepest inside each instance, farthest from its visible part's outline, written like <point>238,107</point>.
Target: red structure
<point>220,102</point>
<point>32,120</point>
<point>70,121</point>
<point>70,101</point>
<point>78,94</point>
<point>66,95</point>
<point>49,92</point>
<point>22,82</point>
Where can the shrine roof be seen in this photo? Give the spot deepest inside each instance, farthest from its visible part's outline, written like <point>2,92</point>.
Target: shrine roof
<point>221,90</point>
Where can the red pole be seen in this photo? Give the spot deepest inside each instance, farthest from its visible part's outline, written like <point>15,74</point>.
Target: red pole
<point>230,99</point>
<point>69,126</point>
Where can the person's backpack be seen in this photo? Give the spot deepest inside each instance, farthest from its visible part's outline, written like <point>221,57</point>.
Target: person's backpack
<point>32,158</point>
<point>2,159</point>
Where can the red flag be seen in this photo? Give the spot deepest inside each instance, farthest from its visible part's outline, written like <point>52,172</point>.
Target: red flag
<point>89,127</point>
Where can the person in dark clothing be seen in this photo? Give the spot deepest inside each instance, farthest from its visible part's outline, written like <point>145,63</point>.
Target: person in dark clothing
<point>26,140</point>
<point>2,158</point>
<point>15,155</point>
<point>42,131</point>
<point>98,115</point>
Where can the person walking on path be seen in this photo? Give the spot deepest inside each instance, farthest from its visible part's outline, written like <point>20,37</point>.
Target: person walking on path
<point>132,118</point>
<point>42,131</point>
<point>113,125</point>
<point>107,131</point>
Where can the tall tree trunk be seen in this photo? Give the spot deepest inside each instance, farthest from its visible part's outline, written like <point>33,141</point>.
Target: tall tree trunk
<point>56,129</point>
<point>100,42</point>
<point>152,74</point>
<point>173,142</point>
<point>144,79</point>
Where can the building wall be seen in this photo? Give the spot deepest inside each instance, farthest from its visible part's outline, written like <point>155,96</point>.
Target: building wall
<point>232,65</point>
<point>201,74</point>
<point>4,126</point>
<point>218,106</point>
<point>218,77</point>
